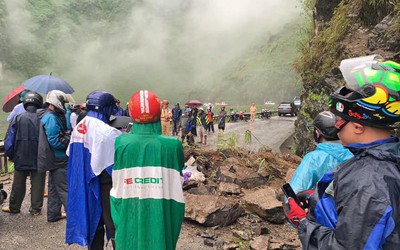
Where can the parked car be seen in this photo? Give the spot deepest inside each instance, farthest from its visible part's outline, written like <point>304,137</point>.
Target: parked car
<point>287,108</point>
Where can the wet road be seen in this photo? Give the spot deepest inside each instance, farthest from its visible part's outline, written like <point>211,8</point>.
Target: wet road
<point>23,231</point>
<point>271,133</point>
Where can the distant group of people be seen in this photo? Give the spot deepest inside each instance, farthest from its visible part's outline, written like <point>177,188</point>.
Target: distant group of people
<point>105,179</point>
<point>191,122</point>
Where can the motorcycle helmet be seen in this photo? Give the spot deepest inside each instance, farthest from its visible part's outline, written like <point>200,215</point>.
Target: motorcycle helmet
<point>33,98</point>
<point>144,107</point>
<point>57,98</point>
<point>102,102</point>
<point>324,123</point>
<point>371,95</point>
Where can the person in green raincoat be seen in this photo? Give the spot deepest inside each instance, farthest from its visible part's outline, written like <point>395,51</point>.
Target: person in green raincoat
<point>147,204</point>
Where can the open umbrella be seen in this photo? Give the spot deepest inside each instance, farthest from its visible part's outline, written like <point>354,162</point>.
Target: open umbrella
<point>46,83</point>
<point>12,98</point>
<point>194,103</point>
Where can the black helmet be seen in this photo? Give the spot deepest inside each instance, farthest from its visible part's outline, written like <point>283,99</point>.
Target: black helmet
<point>324,122</point>
<point>33,98</point>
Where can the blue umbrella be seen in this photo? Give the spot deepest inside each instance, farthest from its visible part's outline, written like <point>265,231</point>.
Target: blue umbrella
<point>46,83</point>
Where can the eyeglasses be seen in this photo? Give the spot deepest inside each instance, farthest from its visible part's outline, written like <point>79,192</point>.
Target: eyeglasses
<point>339,125</point>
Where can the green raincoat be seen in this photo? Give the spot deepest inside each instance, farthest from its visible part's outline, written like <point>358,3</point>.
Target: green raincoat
<point>147,203</point>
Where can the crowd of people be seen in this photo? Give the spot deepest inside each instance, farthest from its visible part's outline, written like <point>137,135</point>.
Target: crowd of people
<point>91,164</point>
<point>107,180</point>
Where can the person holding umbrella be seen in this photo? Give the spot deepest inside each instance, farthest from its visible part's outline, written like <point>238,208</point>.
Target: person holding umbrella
<point>21,146</point>
<point>52,155</point>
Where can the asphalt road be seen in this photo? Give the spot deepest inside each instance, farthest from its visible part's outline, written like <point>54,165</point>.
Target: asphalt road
<point>23,231</point>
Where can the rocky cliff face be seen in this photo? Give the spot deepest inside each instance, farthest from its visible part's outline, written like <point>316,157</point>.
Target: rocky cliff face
<point>342,29</point>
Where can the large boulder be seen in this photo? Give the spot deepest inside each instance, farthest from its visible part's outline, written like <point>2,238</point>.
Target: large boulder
<point>233,171</point>
<point>228,188</point>
<point>260,243</point>
<point>212,210</point>
<point>265,204</point>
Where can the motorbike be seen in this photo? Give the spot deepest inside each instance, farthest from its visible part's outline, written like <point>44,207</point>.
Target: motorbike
<point>265,114</point>
<point>233,117</point>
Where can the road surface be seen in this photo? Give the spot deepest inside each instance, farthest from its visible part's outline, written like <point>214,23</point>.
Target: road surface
<point>23,231</point>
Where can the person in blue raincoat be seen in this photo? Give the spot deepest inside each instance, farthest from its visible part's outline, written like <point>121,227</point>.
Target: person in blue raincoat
<point>91,158</point>
<point>328,154</point>
<point>356,205</point>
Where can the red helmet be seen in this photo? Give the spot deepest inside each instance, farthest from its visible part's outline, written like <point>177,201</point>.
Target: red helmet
<point>144,107</point>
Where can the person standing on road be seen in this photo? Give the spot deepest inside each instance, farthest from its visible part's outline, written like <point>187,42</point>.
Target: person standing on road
<point>184,119</point>
<point>190,127</point>
<point>221,119</point>
<point>328,154</point>
<point>91,158</point>
<point>52,155</point>
<point>356,206</point>
<point>176,119</point>
<point>147,202</point>
<point>202,125</point>
<point>210,116</point>
<point>21,146</point>
<point>253,110</point>
<point>166,116</point>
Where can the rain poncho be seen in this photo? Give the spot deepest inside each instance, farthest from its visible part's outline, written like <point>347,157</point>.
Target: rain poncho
<point>147,203</point>
<point>91,150</point>
<point>315,164</point>
<point>363,210</point>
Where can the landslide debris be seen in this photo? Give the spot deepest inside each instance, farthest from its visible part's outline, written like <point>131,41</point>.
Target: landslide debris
<point>235,200</point>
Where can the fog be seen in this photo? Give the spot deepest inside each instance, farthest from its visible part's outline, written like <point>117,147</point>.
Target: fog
<point>171,47</point>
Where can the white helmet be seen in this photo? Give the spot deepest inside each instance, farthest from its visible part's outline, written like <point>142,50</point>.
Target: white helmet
<point>58,99</point>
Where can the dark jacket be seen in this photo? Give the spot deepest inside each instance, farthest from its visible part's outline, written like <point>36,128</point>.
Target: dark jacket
<point>176,113</point>
<point>190,125</point>
<point>22,139</point>
<point>362,210</point>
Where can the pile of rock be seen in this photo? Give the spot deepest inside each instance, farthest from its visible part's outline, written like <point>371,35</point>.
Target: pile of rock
<point>240,199</point>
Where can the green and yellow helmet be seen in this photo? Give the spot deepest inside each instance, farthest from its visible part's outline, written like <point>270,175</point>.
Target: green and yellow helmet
<point>371,95</point>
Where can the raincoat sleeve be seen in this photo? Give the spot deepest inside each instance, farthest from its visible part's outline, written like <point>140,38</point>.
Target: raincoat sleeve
<point>10,140</point>
<point>364,222</point>
<point>52,128</point>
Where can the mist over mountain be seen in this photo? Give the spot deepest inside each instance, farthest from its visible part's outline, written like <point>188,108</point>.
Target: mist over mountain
<point>233,50</point>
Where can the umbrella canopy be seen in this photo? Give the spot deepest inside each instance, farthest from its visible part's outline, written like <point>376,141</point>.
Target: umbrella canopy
<point>46,83</point>
<point>194,103</point>
<point>12,98</point>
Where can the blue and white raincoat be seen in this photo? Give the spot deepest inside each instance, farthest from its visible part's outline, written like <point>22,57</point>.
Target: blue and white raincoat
<point>91,150</point>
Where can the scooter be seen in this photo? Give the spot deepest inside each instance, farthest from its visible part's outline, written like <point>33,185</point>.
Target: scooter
<point>265,114</point>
